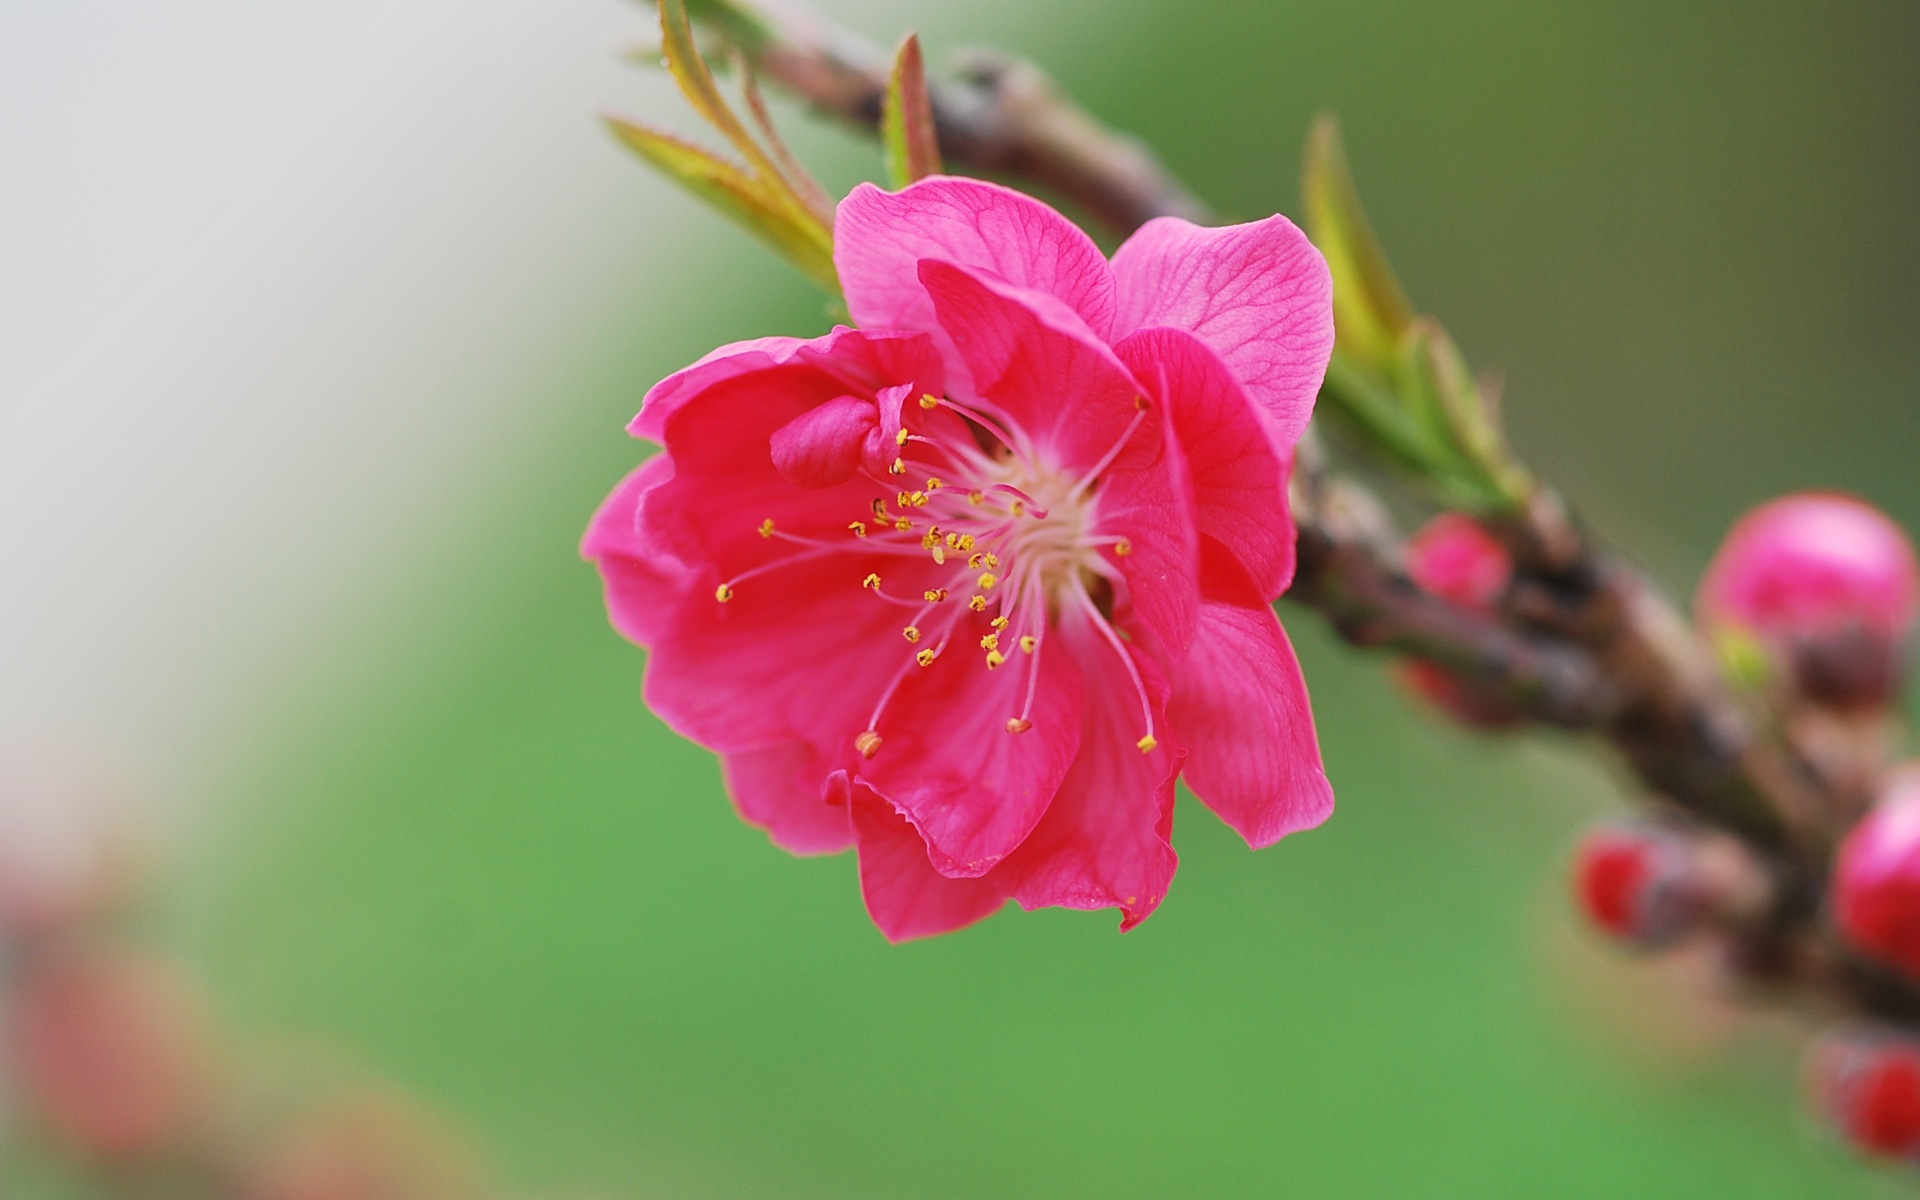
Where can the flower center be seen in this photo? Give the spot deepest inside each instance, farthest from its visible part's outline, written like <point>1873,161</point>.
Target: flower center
<point>1013,540</point>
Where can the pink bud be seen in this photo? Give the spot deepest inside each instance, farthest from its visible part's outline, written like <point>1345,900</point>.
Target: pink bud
<point>1867,1087</point>
<point>109,1053</point>
<point>1453,558</point>
<point>1638,883</point>
<point>1824,582</point>
<point>1876,877</point>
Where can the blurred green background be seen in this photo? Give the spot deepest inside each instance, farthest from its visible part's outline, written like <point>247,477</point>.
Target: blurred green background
<point>450,837</point>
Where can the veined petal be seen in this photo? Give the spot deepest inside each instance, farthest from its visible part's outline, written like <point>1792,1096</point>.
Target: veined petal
<point>973,789</point>
<point>643,586</point>
<point>778,788</point>
<point>1034,362</point>
<point>1238,466</point>
<point>905,896</point>
<point>1106,839</point>
<point>880,236</point>
<point>1258,294</point>
<point>1240,708</point>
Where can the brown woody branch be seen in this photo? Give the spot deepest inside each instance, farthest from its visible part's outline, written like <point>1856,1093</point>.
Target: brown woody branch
<point>1586,641</point>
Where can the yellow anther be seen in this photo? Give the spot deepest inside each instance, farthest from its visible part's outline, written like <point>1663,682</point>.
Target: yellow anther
<point>990,642</point>
<point>897,467</point>
<point>880,508</point>
<point>868,744</point>
<point>994,659</point>
<point>975,497</point>
<point>936,595</point>
<point>978,604</point>
<point>974,561</point>
<point>1018,508</point>
<point>723,593</point>
<point>1028,642</point>
<point>924,658</point>
<point>859,528</point>
<point>987,580</point>
<point>1146,744</point>
<point>1018,724</point>
<point>871,581</point>
<point>902,524</point>
<point>766,528</point>
<point>999,622</point>
<point>911,633</point>
<point>966,541</point>
<point>929,400</point>
<point>935,483</point>
<point>900,499</point>
<point>917,499</point>
<point>1122,548</point>
<point>940,555</point>
<point>993,560</point>
<point>953,539</point>
<point>900,439</point>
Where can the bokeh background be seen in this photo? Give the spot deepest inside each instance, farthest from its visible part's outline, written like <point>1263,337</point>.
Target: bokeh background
<point>318,329</point>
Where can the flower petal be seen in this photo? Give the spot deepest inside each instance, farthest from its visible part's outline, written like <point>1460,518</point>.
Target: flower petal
<point>1238,467</point>
<point>643,586</point>
<point>1105,841</point>
<point>1038,366</point>
<point>879,237</point>
<point>824,445</point>
<point>1240,708</point>
<point>905,896</point>
<point>1260,295</point>
<point>778,788</point>
<point>973,789</point>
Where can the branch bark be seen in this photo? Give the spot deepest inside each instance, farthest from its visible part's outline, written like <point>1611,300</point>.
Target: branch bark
<point>1586,642</point>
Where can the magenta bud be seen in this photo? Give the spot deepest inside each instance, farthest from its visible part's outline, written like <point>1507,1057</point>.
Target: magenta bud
<point>1453,558</point>
<point>1821,584</point>
<point>1876,877</point>
<point>1639,883</point>
<point>1866,1087</point>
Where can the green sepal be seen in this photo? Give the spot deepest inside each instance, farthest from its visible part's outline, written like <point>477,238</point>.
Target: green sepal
<point>907,137</point>
<point>740,195</point>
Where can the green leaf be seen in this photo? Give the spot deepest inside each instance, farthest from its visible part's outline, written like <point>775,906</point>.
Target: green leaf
<point>737,193</point>
<point>906,118</point>
<point>1370,310</point>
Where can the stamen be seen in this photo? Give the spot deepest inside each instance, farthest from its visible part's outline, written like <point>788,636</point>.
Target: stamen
<point>1122,548</point>
<point>978,604</point>
<point>1018,724</point>
<point>999,622</point>
<point>987,580</point>
<point>929,401</point>
<point>868,744</point>
<point>900,438</point>
<point>911,633</point>
<point>925,657</point>
<point>1028,642</point>
<point>723,593</point>
<point>936,595</point>
<point>766,528</point>
<point>871,581</point>
<point>990,642</point>
<point>859,528</point>
<point>935,483</point>
<point>994,659</point>
<point>897,467</point>
<point>1146,743</point>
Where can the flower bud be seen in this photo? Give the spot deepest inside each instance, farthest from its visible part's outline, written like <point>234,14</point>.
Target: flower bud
<point>1639,883</point>
<point>109,1053</point>
<point>1866,1087</point>
<point>1876,877</point>
<point>1820,585</point>
<point>1453,558</point>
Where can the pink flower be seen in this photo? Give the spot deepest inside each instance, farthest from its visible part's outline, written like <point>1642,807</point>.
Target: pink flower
<point>1823,582</point>
<point>1876,876</point>
<point>968,587</point>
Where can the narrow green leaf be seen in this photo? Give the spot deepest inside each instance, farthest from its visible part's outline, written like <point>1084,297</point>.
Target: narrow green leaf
<point>697,83</point>
<point>736,193</point>
<point>906,118</point>
<point>1370,310</point>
